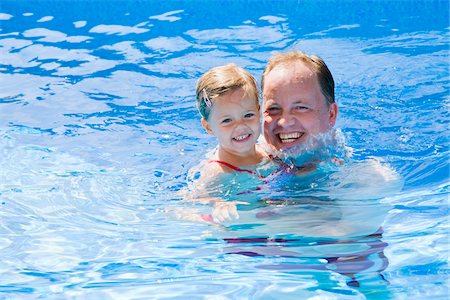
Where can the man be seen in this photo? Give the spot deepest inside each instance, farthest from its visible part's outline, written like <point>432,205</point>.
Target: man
<point>298,99</point>
<point>298,106</point>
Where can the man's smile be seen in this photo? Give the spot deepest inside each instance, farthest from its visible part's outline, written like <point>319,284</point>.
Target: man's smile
<point>289,137</point>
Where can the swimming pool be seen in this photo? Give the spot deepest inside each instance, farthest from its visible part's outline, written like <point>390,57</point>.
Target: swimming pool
<point>98,130</point>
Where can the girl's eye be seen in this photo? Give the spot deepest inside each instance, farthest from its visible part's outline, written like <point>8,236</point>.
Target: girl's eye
<point>227,120</point>
<point>249,115</point>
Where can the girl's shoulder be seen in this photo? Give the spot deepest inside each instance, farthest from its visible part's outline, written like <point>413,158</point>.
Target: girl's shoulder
<point>211,169</point>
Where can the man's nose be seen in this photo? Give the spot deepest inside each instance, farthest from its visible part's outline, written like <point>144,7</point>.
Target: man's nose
<point>286,120</point>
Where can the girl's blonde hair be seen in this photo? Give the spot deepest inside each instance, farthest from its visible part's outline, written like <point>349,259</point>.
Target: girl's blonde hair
<point>220,80</point>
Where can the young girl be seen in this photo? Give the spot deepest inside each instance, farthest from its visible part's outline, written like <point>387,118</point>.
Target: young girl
<point>227,99</point>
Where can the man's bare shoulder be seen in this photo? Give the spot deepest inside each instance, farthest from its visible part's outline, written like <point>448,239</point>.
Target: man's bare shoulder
<point>370,178</point>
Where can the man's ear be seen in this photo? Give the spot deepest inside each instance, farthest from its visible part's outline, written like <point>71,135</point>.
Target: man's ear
<point>206,126</point>
<point>333,112</point>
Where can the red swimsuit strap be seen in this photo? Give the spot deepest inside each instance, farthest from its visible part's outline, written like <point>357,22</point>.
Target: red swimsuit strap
<point>237,169</point>
<point>234,168</point>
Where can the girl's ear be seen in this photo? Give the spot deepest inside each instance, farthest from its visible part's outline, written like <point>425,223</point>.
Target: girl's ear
<point>206,126</point>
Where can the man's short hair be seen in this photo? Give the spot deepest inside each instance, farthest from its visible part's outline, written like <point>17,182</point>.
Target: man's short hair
<point>315,63</point>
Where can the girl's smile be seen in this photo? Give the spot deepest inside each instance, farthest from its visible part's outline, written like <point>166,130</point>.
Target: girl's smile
<point>235,122</point>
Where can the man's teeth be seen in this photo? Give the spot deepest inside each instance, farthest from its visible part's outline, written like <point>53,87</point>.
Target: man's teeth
<point>289,137</point>
<point>241,137</point>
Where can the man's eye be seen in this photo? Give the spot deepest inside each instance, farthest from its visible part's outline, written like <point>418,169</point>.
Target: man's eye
<point>301,108</point>
<point>273,110</point>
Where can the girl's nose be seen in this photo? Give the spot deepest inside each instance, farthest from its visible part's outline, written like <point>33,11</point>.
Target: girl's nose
<point>241,123</point>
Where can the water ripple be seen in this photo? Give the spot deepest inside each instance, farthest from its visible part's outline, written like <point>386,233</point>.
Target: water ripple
<point>98,129</point>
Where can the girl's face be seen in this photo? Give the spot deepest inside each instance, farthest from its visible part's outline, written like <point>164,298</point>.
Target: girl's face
<point>235,122</point>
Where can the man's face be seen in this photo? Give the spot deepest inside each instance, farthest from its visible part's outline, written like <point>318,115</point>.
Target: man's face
<point>294,107</point>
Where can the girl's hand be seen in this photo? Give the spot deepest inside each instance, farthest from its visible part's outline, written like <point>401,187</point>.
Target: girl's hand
<point>226,211</point>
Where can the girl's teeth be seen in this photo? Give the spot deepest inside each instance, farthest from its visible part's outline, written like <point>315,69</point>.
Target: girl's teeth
<point>241,137</point>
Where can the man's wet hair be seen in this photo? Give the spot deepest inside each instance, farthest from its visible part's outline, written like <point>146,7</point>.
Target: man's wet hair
<point>315,63</point>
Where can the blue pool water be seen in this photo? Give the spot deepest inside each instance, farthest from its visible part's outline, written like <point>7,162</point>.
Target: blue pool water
<point>98,131</point>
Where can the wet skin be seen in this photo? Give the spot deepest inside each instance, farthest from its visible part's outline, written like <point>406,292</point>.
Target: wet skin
<point>294,107</point>
<point>234,120</point>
